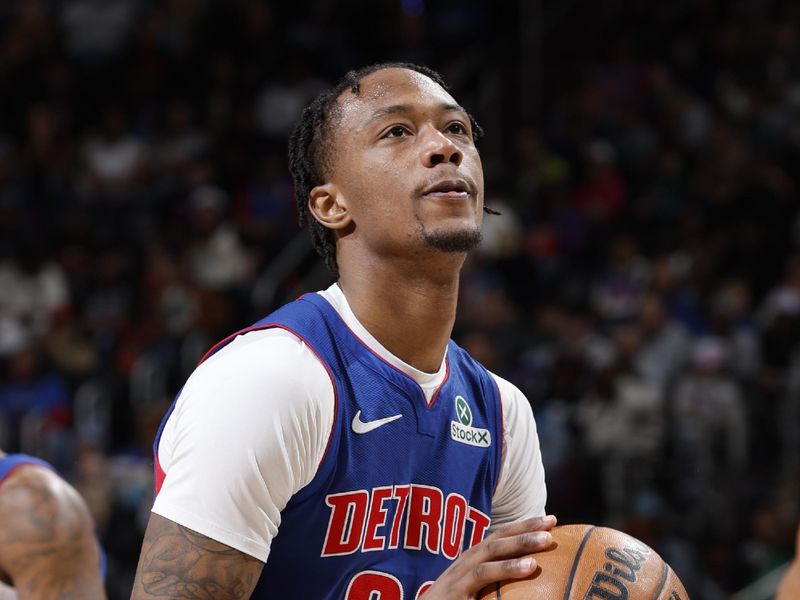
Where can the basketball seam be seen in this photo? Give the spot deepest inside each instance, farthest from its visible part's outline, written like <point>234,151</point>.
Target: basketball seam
<point>664,573</point>
<point>575,563</point>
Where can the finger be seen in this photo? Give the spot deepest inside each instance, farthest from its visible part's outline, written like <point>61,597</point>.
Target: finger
<point>503,554</point>
<point>514,546</point>
<point>512,568</point>
<point>533,524</point>
<point>502,550</point>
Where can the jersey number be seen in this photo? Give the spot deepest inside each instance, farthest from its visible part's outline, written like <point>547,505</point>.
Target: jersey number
<point>374,585</point>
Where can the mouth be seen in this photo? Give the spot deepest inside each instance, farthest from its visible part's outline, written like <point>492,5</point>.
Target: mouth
<point>455,189</point>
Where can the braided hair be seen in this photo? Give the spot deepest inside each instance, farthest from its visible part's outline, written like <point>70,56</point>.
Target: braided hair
<point>310,149</point>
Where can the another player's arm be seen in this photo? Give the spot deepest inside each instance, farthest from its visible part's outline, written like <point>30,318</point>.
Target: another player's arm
<point>177,562</point>
<point>790,586</point>
<point>48,547</point>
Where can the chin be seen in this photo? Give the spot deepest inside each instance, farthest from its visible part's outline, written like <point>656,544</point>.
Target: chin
<point>453,240</point>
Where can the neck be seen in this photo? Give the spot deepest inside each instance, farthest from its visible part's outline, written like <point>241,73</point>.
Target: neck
<point>410,312</point>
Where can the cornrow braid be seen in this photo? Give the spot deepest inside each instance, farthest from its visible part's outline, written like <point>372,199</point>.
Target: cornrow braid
<point>310,150</point>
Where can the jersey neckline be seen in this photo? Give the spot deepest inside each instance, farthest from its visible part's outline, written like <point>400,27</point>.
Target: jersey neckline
<point>429,382</point>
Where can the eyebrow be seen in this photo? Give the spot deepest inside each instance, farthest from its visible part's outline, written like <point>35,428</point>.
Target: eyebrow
<point>407,108</point>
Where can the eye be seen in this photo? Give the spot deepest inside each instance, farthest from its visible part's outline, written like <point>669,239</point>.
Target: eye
<point>396,131</point>
<point>457,127</point>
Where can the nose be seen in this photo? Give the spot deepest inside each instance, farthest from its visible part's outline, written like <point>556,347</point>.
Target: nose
<point>438,148</point>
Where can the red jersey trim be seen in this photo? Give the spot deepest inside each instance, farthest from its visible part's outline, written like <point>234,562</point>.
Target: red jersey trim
<point>230,338</point>
<point>160,474</point>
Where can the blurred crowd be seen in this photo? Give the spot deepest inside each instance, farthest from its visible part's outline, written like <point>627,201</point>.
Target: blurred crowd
<point>641,285</point>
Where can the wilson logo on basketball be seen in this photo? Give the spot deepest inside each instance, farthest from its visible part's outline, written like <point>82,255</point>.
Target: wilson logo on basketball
<point>461,430</point>
<point>593,563</point>
<point>622,565</point>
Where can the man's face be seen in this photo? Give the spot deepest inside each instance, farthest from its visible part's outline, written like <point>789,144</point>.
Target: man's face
<point>404,161</point>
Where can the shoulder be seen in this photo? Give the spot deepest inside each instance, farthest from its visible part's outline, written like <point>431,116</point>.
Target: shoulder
<point>264,378</point>
<point>31,488</point>
<point>267,349</point>
<point>31,479</point>
<point>268,359</point>
<point>514,402</point>
<point>39,508</point>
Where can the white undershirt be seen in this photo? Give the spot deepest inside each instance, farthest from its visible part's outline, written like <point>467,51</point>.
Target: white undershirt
<point>252,424</point>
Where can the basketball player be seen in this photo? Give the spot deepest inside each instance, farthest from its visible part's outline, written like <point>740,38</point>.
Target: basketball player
<point>344,446</point>
<point>48,547</point>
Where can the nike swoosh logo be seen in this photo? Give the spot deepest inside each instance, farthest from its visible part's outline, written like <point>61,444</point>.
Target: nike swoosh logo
<point>360,426</point>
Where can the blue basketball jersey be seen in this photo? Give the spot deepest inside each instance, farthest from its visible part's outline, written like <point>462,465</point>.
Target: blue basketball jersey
<point>11,462</point>
<point>404,486</point>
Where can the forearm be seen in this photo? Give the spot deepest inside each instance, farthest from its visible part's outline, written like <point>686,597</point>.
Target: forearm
<point>177,562</point>
<point>60,590</point>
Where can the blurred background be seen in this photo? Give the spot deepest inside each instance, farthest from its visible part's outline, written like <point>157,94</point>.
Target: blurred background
<point>642,285</point>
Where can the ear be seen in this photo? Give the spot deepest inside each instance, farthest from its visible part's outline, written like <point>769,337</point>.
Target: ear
<point>329,207</point>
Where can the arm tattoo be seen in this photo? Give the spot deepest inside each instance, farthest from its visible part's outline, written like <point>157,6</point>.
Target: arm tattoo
<point>47,543</point>
<point>177,562</point>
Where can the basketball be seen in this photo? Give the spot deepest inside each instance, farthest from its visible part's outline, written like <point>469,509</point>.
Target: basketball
<point>593,563</point>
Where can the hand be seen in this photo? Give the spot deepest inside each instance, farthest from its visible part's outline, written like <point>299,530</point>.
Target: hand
<point>502,555</point>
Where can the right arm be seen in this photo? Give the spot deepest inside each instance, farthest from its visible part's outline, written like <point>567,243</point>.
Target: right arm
<point>177,562</point>
<point>248,431</point>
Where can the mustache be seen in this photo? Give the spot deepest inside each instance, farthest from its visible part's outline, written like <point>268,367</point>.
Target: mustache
<point>421,188</point>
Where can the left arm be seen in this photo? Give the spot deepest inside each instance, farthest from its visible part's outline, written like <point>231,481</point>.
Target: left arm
<point>521,492</point>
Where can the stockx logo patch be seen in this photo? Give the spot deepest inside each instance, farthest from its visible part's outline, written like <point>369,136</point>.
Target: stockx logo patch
<point>461,430</point>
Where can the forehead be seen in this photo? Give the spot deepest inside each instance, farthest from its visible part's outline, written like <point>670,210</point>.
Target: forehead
<point>388,87</point>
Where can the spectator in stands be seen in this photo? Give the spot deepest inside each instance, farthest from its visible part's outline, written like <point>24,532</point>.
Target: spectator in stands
<point>710,433</point>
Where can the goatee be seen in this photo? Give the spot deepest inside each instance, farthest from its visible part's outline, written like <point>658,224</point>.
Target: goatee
<point>463,240</point>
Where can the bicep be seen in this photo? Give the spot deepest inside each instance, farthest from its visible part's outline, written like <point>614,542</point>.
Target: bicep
<point>177,562</point>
